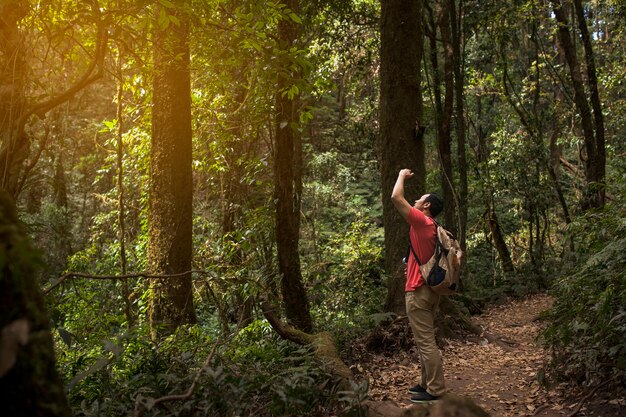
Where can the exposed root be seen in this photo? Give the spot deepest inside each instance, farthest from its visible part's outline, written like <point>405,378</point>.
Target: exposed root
<point>322,343</point>
<point>585,398</point>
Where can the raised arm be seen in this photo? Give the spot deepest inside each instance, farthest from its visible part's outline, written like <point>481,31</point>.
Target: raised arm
<point>397,195</point>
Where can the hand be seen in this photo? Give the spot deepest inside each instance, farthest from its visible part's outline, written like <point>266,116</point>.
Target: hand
<point>405,173</point>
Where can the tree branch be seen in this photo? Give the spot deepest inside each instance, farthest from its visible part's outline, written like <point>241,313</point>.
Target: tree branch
<point>33,162</point>
<point>40,109</point>
<point>586,397</point>
<point>69,275</point>
<point>322,343</point>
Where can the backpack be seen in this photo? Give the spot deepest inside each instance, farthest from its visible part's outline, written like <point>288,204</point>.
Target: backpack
<point>442,272</point>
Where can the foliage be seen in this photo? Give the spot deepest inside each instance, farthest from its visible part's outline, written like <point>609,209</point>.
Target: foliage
<point>588,320</point>
<point>255,373</point>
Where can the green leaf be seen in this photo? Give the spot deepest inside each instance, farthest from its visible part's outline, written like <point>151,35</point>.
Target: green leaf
<point>166,3</point>
<point>174,20</point>
<point>164,20</point>
<point>295,18</point>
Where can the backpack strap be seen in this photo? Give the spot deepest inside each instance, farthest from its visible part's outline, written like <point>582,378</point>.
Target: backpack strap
<point>413,252</point>
<point>437,244</point>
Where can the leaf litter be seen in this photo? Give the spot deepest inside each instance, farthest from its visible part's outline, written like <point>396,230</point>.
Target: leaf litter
<point>504,382</point>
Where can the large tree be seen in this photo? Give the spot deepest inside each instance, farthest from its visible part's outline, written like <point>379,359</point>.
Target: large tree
<point>29,383</point>
<point>439,27</point>
<point>288,180</point>
<point>171,188</point>
<point>401,129</point>
<point>458,49</point>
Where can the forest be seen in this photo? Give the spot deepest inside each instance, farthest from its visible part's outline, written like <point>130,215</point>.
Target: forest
<point>196,214</point>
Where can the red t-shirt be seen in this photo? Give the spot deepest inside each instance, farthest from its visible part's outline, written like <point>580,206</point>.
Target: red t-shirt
<point>422,235</point>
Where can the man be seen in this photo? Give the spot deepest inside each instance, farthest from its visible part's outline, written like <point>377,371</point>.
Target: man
<point>421,300</point>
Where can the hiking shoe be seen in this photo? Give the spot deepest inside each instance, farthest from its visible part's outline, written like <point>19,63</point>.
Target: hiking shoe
<point>424,397</point>
<point>417,389</point>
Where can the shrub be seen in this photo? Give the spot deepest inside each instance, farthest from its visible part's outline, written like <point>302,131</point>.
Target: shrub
<point>588,320</point>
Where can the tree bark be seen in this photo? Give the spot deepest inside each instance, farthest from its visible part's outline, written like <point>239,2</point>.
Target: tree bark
<point>458,41</point>
<point>498,240</point>
<point>439,19</point>
<point>444,135</point>
<point>288,186</point>
<point>233,195</point>
<point>401,143</point>
<point>120,192</point>
<point>29,383</point>
<point>171,188</point>
<point>554,170</point>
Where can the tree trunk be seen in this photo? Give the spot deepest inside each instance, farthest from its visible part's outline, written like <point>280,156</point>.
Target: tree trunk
<point>288,188</point>
<point>456,23</point>
<point>233,195</point>
<point>14,143</point>
<point>170,211</point>
<point>597,191</point>
<point>498,240</point>
<point>120,193</point>
<point>554,170</point>
<point>401,129</point>
<point>444,109</point>
<point>595,158</point>
<point>29,383</point>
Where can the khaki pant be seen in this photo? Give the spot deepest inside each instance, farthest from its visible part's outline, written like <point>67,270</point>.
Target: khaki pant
<point>421,306</point>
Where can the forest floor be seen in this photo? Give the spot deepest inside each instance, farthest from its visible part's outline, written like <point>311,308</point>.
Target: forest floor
<point>503,380</point>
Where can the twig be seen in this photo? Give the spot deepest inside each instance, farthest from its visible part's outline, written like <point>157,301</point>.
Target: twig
<point>586,397</point>
<point>119,277</point>
<point>182,397</point>
<point>538,409</point>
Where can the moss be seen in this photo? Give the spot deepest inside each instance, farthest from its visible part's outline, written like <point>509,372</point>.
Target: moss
<point>31,386</point>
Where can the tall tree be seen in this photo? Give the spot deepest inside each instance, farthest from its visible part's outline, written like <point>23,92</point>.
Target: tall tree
<point>288,180</point>
<point>592,123</point>
<point>171,188</point>
<point>29,382</point>
<point>458,46</point>
<point>439,22</point>
<point>401,129</point>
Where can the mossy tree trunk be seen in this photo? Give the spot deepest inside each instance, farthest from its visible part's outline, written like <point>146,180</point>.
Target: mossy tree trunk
<point>288,184</point>
<point>171,188</point>
<point>401,143</point>
<point>29,383</point>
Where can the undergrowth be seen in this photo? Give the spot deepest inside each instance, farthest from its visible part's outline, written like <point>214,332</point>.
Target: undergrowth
<point>253,373</point>
<point>588,320</point>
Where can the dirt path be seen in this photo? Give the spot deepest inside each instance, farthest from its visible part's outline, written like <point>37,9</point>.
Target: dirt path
<point>503,381</point>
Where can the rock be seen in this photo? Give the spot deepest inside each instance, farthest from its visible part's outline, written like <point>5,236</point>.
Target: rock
<point>450,405</point>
